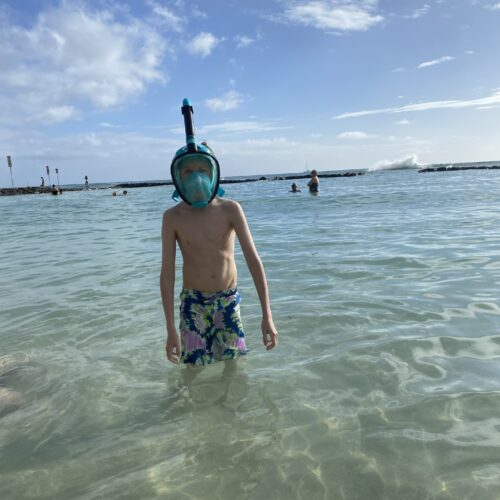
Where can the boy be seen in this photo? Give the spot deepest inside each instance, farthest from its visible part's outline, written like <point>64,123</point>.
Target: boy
<point>205,226</point>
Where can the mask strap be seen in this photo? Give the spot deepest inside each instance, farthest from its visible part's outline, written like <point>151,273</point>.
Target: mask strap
<point>220,192</point>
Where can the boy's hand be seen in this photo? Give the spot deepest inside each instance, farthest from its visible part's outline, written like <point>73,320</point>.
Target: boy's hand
<point>269,334</point>
<point>173,348</point>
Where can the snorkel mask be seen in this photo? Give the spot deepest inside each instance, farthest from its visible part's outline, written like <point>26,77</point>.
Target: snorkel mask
<point>195,169</point>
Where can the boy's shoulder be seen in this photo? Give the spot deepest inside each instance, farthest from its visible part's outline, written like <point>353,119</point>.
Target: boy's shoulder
<point>172,211</point>
<point>173,214</point>
<point>228,204</point>
<point>230,208</point>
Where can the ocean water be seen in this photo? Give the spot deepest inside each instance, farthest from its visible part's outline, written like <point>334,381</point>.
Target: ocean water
<point>386,383</point>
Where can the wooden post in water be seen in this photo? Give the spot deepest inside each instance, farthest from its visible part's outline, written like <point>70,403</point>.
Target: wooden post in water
<point>9,163</point>
<point>48,174</point>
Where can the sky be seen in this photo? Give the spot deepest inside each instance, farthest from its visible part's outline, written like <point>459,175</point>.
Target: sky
<point>95,87</point>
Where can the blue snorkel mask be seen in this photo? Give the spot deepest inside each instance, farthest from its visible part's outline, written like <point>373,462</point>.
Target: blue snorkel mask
<point>194,169</point>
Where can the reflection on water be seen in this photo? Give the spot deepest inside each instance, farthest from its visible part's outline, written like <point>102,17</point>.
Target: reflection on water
<point>386,383</point>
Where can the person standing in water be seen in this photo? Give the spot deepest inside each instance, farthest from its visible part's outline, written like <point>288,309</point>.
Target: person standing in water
<point>313,184</point>
<point>205,226</point>
<point>86,182</point>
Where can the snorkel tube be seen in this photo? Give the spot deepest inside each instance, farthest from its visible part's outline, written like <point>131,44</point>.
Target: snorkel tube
<point>195,188</point>
<point>187,112</point>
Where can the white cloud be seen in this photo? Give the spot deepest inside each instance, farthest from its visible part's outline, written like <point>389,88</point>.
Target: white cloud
<point>230,100</point>
<point>196,12</point>
<point>440,60</point>
<point>419,12</point>
<point>470,52</point>
<point>354,135</point>
<point>92,140</point>
<point>242,127</point>
<point>203,44</point>
<point>243,41</point>
<point>56,114</point>
<point>403,122</point>
<point>492,100</point>
<point>337,15</point>
<point>167,16</point>
<point>495,6</point>
<point>236,127</point>
<point>75,54</point>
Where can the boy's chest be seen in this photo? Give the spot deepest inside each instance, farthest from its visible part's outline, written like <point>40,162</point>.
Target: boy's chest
<point>205,232</point>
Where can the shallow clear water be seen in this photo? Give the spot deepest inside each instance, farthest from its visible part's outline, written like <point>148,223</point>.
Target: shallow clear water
<point>386,383</point>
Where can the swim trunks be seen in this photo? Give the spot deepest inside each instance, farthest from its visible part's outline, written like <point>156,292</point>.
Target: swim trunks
<point>210,326</point>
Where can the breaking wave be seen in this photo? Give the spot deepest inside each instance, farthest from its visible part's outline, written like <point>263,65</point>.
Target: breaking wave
<point>410,162</point>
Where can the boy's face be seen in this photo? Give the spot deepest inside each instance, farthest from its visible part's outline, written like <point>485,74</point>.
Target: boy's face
<point>195,166</point>
<point>196,177</point>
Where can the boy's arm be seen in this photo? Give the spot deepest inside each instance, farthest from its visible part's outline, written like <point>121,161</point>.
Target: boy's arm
<point>269,333</point>
<point>167,280</point>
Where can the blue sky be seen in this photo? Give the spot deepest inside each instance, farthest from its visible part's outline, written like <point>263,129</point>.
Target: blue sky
<point>95,87</point>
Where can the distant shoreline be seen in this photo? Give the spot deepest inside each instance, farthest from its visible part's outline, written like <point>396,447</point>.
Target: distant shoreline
<point>284,177</point>
<point>130,185</point>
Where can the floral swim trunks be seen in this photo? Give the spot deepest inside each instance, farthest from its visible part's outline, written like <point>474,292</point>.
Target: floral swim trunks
<point>210,326</point>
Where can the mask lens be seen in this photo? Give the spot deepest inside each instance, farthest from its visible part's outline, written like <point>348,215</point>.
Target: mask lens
<point>195,177</point>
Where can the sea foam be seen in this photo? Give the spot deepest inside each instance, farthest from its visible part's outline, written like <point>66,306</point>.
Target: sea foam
<point>409,162</point>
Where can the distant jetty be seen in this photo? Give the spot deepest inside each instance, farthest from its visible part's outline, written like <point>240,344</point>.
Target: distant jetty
<point>32,190</point>
<point>451,168</point>
<point>278,177</point>
<point>130,185</point>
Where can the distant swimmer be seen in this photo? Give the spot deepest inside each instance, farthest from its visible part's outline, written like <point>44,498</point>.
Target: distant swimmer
<point>86,182</point>
<point>313,184</point>
<point>54,190</point>
<point>42,184</point>
<point>114,193</point>
<point>125,193</point>
<point>295,189</point>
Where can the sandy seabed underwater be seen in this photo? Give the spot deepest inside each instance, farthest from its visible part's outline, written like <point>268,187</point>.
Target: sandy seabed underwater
<point>386,384</point>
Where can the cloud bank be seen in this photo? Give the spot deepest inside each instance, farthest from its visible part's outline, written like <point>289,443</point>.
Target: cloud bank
<point>74,56</point>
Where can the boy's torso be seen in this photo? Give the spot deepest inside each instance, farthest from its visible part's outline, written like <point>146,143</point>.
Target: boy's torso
<point>206,239</point>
